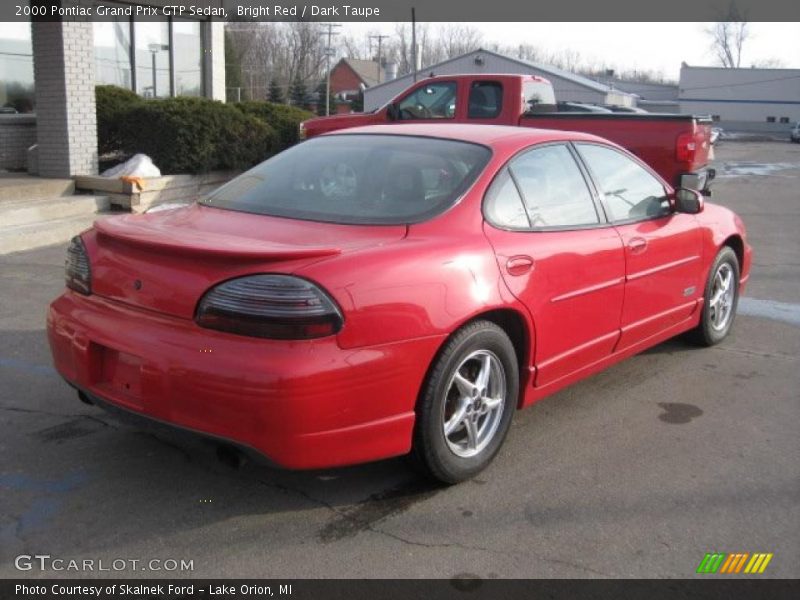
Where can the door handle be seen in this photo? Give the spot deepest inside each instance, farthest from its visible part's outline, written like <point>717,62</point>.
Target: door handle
<point>637,245</point>
<point>519,265</point>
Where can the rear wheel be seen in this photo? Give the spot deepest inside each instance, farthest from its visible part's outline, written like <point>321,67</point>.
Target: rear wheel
<point>721,299</point>
<point>466,407</point>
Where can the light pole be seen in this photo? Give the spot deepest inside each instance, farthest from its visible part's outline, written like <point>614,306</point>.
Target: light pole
<point>154,49</point>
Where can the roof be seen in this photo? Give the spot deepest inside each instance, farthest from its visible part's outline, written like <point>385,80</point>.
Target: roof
<point>488,135</point>
<point>547,69</point>
<point>367,70</point>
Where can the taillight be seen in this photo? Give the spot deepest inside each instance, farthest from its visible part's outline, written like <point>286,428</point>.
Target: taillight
<point>686,148</point>
<point>301,131</point>
<point>281,307</point>
<point>77,272</point>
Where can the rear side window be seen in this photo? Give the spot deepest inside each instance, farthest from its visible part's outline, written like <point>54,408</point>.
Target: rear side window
<point>485,100</point>
<point>357,178</point>
<point>553,188</point>
<point>629,191</point>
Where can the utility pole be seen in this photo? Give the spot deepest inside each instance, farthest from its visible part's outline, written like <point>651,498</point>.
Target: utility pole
<point>414,42</point>
<point>380,39</point>
<point>329,51</point>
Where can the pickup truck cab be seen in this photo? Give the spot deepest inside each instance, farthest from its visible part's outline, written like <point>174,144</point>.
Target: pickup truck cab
<point>677,147</point>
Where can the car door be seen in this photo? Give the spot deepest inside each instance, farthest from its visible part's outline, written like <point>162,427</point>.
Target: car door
<point>559,257</point>
<point>663,248</point>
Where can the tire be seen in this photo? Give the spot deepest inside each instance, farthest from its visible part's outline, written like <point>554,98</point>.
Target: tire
<point>477,411</point>
<point>717,319</point>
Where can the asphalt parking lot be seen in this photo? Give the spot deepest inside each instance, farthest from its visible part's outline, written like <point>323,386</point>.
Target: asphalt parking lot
<point>636,472</point>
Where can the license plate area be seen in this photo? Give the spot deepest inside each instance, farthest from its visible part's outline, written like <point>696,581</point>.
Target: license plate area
<point>120,375</point>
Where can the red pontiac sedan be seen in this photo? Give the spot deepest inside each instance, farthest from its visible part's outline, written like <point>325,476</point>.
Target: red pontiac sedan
<point>389,289</point>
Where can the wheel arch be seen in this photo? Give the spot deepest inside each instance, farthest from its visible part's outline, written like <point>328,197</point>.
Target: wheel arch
<point>735,243</point>
<point>514,325</point>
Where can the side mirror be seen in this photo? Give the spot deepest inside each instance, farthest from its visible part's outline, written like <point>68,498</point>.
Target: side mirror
<point>393,112</point>
<point>688,201</point>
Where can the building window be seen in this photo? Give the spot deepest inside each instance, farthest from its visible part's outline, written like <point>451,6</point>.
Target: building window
<point>770,119</point>
<point>188,41</point>
<point>155,59</point>
<point>16,68</point>
<point>112,53</point>
<point>784,119</point>
<point>152,59</point>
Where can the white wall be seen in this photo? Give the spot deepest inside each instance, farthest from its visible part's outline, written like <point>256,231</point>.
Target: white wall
<point>741,94</point>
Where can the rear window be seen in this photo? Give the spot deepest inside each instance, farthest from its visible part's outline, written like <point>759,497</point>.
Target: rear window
<point>357,179</point>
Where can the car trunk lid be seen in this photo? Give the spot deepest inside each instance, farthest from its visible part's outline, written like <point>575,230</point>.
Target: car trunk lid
<point>166,261</point>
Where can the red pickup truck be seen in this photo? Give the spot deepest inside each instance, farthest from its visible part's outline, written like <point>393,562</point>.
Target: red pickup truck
<point>678,147</point>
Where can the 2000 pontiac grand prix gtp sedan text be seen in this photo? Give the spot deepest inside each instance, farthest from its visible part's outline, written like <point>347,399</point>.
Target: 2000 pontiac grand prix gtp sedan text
<point>389,290</point>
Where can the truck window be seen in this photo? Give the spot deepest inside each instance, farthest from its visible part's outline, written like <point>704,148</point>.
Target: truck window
<point>433,101</point>
<point>485,100</point>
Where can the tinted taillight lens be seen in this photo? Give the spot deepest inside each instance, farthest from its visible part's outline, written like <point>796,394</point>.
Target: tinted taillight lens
<point>279,307</point>
<point>78,273</point>
<point>686,147</point>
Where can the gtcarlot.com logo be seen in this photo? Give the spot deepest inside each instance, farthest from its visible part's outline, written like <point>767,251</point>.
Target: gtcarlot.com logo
<point>736,562</point>
<point>46,562</point>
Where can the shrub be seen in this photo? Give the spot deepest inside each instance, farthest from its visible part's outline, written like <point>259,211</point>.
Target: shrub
<point>194,135</point>
<point>113,104</point>
<point>285,120</point>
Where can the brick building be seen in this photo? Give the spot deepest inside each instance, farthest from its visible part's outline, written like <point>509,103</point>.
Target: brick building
<point>48,72</point>
<point>349,75</point>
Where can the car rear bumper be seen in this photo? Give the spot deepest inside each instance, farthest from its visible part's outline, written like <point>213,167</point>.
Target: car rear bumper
<point>302,404</point>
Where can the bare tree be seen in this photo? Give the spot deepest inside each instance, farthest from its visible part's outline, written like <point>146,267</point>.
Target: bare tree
<point>728,37</point>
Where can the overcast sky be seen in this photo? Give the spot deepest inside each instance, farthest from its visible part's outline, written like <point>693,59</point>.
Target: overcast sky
<point>649,46</point>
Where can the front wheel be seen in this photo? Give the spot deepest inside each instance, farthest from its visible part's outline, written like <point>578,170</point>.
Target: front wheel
<point>467,404</point>
<point>721,299</point>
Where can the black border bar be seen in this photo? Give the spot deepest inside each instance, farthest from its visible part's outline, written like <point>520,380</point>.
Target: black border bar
<point>429,10</point>
<point>457,588</point>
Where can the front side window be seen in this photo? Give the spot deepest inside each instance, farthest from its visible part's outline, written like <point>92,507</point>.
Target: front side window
<point>485,100</point>
<point>354,179</point>
<point>434,101</point>
<point>553,189</point>
<point>629,190</point>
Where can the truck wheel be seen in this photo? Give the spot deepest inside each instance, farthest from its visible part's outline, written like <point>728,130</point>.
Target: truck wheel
<point>467,404</point>
<point>721,298</point>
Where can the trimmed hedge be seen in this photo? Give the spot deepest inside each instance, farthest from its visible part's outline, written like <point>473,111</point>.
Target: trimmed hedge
<point>193,135</point>
<point>113,104</point>
<point>284,119</point>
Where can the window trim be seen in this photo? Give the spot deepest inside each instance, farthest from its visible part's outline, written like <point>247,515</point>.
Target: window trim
<point>603,221</point>
<point>600,196</point>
